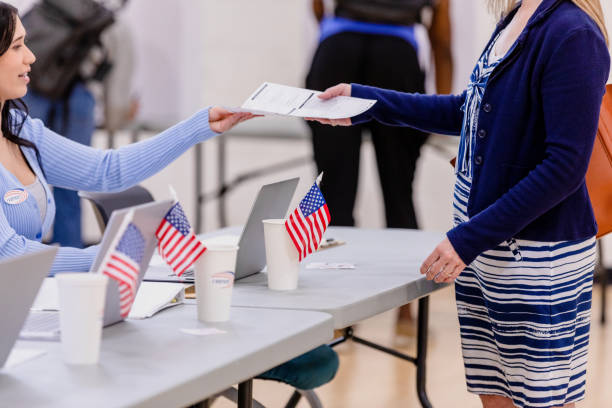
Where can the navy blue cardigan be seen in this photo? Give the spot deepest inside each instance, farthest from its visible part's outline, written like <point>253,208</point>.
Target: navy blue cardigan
<point>537,124</point>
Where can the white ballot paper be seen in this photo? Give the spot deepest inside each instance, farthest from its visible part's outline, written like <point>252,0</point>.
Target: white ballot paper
<point>285,100</point>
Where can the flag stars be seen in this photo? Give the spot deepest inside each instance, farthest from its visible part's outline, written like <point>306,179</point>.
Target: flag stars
<point>176,217</point>
<point>132,243</point>
<point>307,224</point>
<point>312,201</point>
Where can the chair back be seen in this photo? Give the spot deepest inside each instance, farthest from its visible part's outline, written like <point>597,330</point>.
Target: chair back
<point>105,203</point>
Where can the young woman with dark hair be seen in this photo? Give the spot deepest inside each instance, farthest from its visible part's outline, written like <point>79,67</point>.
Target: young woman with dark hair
<point>11,124</point>
<point>32,156</point>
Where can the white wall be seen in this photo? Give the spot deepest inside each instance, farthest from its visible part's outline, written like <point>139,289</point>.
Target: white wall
<point>169,58</point>
<point>194,52</point>
<point>190,53</point>
<point>201,52</point>
<point>198,52</point>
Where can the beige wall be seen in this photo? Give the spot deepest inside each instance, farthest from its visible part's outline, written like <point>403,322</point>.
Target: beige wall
<point>191,53</point>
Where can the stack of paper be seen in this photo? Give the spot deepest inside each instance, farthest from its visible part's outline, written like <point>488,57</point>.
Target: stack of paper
<point>150,298</point>
<point>274,99</point>
<point>155,296</point>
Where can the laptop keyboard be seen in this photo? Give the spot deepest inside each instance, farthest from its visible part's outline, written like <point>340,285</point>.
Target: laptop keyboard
<point>41,325</point>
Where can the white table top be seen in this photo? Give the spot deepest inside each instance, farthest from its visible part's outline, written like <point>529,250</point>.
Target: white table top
<point>386,276</point>
<point>151,363</point>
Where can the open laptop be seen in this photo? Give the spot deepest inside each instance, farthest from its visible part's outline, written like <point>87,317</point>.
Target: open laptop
<point>147,217</point>
<point>272,201</point>
<point>20,279</point>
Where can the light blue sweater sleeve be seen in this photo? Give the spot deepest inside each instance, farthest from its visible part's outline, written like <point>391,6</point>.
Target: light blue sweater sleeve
<point>67,259</point>
<point>74,166</point>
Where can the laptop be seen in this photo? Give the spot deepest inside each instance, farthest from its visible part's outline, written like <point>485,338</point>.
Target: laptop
<point>272,201</point>
<point>44,324</point>
<point>20,280</point>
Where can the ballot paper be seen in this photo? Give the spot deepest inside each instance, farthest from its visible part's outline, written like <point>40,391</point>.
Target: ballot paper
<point>150,298</point>
<point>204,331</point>
<point>330,265</point>
<point>153,297</point>
<point>274,99</point>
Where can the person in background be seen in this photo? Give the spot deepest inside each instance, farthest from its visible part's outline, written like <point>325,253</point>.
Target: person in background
<point>33,156</point>
<point>380,43</point>
<point>522,251</point>
<point>120,101</point>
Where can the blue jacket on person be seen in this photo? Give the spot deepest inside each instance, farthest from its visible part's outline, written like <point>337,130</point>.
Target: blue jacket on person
<point>536,128</point>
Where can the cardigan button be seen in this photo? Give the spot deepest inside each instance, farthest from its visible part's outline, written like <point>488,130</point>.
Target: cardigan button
<point>478,160</point>
<point>482,133</point>
<point>487,107</point>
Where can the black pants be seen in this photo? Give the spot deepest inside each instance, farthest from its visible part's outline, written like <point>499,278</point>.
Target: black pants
<point>381,61</point>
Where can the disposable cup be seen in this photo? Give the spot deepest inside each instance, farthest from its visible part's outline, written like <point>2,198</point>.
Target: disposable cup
<point>214,280</point>
<point>281,256</point>
<point>81,302</point>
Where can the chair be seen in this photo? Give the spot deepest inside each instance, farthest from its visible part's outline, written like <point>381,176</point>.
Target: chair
<point>304,373</point>
<point>105,203</point>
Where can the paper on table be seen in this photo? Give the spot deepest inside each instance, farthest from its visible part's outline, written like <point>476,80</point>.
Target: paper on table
<point>19,355</point>
<point>153,297</point>
<point>205,331</point>
<point>150,299</point>
<point>330,265</point>
<point>286,100</point>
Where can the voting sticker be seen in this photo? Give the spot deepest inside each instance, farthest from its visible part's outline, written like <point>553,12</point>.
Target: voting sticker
<point>16,196</point>
<point>222,280</point>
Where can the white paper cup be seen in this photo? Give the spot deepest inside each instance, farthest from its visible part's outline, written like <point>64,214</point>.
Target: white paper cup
<point>81,302</point>
<point>281,256</point>
<point>214,280</point>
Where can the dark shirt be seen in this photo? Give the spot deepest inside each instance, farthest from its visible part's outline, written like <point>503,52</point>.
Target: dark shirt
<point>402,12</point>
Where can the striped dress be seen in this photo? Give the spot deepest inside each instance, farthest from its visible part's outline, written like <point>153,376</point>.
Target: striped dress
<point>524,306</point>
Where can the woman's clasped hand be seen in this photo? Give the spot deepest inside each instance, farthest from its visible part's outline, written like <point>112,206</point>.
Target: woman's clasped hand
<point>443,265</point>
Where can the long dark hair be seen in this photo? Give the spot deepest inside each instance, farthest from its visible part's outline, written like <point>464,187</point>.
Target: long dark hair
<point>14,111</point>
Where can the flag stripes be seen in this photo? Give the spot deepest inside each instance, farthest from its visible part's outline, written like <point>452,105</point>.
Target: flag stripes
<point>123,266</point>
<point>307,223</point>
<point>177,244</point>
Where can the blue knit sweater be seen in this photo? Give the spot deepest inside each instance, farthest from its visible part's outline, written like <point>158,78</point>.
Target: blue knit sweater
<point>536,127</point>
<point>74,166</point>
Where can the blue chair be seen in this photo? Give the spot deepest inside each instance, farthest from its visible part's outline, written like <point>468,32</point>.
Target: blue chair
<point>304,373</point>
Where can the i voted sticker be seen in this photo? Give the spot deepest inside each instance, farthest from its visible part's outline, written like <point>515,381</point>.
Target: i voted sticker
<point>16,196</point>
<point>222,280</point>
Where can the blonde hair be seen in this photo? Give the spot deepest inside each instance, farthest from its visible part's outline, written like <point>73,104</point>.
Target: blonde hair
<point>500,8</point>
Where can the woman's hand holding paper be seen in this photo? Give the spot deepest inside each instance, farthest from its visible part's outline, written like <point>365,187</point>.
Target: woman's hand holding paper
<point>329,93</point>
<point>221,120</point>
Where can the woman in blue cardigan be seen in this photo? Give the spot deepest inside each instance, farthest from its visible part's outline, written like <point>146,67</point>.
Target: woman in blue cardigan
<point>522,251</point>
<point>32,156</point>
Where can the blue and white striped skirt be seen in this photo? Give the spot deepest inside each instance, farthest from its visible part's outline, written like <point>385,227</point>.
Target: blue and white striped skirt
<point>524,311</point>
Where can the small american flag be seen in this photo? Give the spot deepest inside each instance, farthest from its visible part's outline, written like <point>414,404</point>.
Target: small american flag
<point>123,265</point>
<point>177,243</point>
<point>308,222</point>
